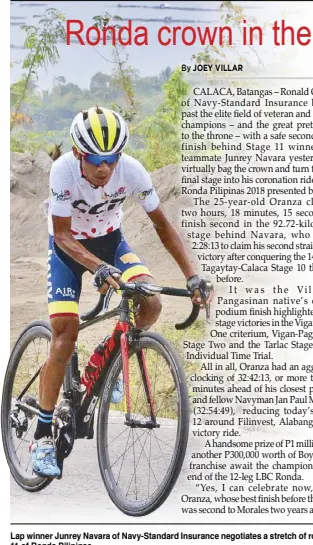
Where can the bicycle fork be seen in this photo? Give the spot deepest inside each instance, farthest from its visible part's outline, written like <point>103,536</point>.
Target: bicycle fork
<point>131,420</point>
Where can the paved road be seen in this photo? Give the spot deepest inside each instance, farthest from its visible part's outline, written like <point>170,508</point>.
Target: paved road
<point>80,496</point>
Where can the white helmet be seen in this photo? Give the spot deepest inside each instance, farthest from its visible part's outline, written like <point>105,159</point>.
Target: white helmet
<point>99,131</point>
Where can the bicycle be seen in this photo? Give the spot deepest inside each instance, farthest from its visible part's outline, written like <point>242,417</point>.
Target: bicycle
<point>155,419</point>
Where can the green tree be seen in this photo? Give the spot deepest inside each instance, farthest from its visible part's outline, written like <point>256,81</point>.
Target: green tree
<point>100,85</point>
<point>175,90</point>
<point>60,79</point>
<point>165,75</point>
<point>123,75</point>
<point>231,15</point>
<point>41,43</point>
<point>161,132</point>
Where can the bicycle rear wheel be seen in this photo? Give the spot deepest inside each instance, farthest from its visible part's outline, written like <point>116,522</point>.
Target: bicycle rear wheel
<point>140,466</point>
<point>17,423</point>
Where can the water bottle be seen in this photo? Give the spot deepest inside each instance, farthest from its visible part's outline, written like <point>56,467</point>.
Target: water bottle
<point>93,368</point>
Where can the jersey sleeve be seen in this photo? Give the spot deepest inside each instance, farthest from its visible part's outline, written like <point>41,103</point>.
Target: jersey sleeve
<point>145,192</point>
<point>60,190</point>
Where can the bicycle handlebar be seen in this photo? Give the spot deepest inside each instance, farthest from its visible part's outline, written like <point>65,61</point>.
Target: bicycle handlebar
<point>191,318</point>
<point>95,311</point>
<point>138,288</point>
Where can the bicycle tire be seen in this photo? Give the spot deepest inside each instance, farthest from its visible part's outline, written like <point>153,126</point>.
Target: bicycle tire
<point>144,507</point>
<point>37,329</point>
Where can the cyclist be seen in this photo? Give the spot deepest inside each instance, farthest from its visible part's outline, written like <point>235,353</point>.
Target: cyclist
<point>88,186</point>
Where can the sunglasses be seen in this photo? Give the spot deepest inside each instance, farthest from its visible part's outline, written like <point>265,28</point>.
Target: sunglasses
<point>98,159</point>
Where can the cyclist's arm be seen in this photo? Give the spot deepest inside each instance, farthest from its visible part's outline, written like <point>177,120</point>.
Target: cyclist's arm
<point>65,240</point>
<point>172,241</point>
<point>146,195</point>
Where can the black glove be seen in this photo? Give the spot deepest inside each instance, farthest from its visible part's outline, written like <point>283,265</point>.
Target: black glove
<point>103,272</point>
<point>197,283</point>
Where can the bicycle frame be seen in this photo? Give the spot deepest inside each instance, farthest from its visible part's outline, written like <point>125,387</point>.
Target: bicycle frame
<point>75,413</point>
<point>122,338</point>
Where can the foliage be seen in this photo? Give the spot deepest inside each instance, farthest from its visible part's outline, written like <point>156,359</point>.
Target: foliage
<point>150,104</point>
<point>41,42</point>
<point>26,140</point>
<point>20,119</point>
<point>123,77</point>
<point>52,111</point>
<point>232,15</point>
<point>101,86</point>
<point>124,90</point>
<point>161,131</point>
<point>175,90</point>
<point>16,145</point>
<point>154,137</point>
<point>16,91</point>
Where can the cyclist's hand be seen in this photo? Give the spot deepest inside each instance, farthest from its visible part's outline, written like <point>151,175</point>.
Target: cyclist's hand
<point>202,290</point>
<point>106,276</point>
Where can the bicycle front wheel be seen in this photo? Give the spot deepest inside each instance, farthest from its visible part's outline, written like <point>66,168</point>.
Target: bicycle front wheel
<point>140,465</point>
<point>21,385</point>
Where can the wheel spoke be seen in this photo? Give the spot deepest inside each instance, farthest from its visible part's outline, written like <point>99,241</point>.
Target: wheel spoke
<point>137,465</point>
<point>29,463</point>
<point>23,439</point>
<point>134,467</point>
<point>115,438</point>
<point>161,441</point>
<point>143,465</point>
<point>24,366</point>
<point>163,407</point>
<point>126,450</point>
<point>150,467</point>
<point>161,452</point>
<point>122,460</point>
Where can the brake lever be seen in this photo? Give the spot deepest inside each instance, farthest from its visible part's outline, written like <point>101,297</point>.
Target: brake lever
<point>210,288</point>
